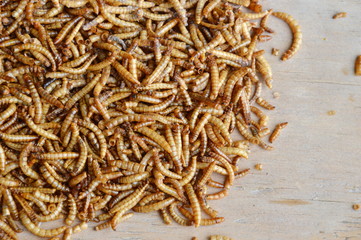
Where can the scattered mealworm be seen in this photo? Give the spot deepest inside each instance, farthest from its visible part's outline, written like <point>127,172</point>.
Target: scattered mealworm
<point>339,15</point>
<point>358,66</point>
<point>277,131</point>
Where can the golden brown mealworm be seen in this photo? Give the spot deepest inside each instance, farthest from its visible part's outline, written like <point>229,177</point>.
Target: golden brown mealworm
<point>8,230</point>
<point>49,198</point>
<point>128,203</point>
<point>154,206</point>
<point>53,181</point>
<point>151,197</point>
<point>165,216</point>
<point>178,219</point>
<point>33,228</point>
<point>157,71</point>
<point>219,237</point>
<point>162,169</point>
<point>196,209</point>
<point>23,161</point>
<point>18,138</point>
<point>76,97</point>
<point>276,131</point>
<point>98,133</point>
<point>358,66</point>
<point>53,215</point>
<point>204,221</point>
<point>297,34</point>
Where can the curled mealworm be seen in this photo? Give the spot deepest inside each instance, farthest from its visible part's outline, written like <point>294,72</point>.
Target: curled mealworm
<point>297,34</point>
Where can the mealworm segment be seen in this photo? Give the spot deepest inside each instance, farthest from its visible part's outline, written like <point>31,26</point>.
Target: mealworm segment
<point>128,105</point>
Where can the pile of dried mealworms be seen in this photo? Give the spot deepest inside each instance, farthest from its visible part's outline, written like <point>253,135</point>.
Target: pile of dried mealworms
<point>109,106</point>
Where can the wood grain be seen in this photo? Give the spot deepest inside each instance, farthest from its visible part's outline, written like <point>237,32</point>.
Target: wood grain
<point>317,159</point>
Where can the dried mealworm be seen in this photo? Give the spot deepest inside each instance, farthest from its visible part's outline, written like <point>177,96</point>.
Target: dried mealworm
<point>297,34</point>
<point>154,206</point>
<point>340,15</point>
<point>194,204</point>
<point>358,66</point>
<point>276,132</point>
<point>33,228</point>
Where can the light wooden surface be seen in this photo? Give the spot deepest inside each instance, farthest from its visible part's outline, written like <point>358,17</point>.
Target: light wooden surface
<point>312,178</point>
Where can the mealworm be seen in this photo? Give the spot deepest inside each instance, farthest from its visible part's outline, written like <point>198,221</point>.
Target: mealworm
<point>204,222</point>
<point>156,137</point>
<point>53,215</point>
<point>297,34</point>
<point>265,69</point>
<point>218,195</point>
<point>76,97</point>
<point>358,66</point>
<point>206,174</point>
<point>37,48</point>
<point>178,219</point>
<point>200,125</point>
<point>39,231</point>
<point>218,39</point>
<point>165,188</point>
<point>263,103</point>
<point>53,181</point>
<point>194,204</point>
<point>127,203</point>
<point>276,132</point>
<point>162,169</point>
<point>154,206</point>
<point>205,207</point>
<point>165,216</point>
<point>80,69</point>
<point>37,129</point>
<point>23,161</point>
<point>8,230</point>
<point>339,15</point>
<point>252,15</point>
<point>17,138</point>
<point>199,9</point>
<point>49,198</point>
<point>36,98</point>
<point>219,237</point>
<point>52,156</point>
<point>10,203</point>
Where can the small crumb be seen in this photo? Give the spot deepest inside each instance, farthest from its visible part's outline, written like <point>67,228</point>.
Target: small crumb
<point>339,15</point>
<point>331,113</point>
<point>275,51</point>
<point>324,39</point>
<point>276,95</point>
<point>258,166</point>
<point>356,207</point>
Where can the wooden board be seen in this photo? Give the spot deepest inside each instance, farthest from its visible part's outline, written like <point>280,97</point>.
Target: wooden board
<point>311,180</point>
